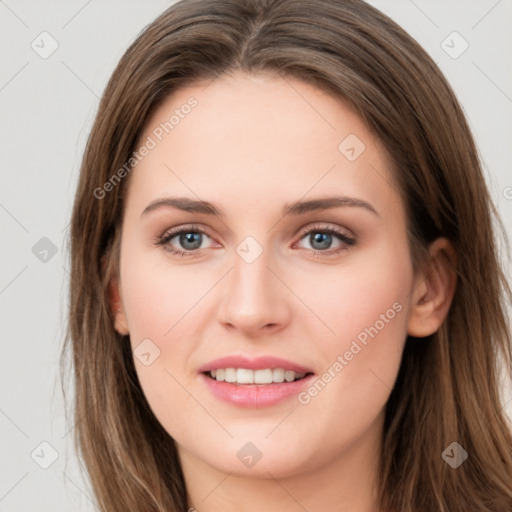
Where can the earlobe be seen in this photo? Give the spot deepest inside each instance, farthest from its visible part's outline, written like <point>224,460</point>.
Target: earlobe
<point>433,291</point>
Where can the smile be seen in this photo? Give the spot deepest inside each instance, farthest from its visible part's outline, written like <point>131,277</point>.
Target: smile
<point>247,376</point>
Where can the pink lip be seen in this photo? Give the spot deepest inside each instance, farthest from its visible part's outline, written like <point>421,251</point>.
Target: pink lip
<point>254,395</point>
<point>258,363</point>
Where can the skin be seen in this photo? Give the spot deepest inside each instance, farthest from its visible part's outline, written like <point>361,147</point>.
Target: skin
<point>251,145</point>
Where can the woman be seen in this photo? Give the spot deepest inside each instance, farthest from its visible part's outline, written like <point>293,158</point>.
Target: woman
<point>285,290</point>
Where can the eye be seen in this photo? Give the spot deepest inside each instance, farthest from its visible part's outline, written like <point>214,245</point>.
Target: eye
<point>186,241</point>
<point>322,237</point>
<point>189,238</point>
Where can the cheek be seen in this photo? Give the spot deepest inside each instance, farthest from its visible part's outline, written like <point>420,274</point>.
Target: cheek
<point>367,290</point>
<point>367,310</point>
<point>157,296</point>
<point>161,306</point>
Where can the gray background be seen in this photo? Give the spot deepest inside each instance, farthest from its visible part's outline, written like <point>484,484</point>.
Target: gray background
<point>47,107</point>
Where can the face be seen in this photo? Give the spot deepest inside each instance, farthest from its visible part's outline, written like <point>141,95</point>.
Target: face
<point>301,280</point>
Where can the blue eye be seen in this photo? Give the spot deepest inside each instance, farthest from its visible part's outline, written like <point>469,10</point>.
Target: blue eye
<point>190,239</point>
<point>321,239</point>
<point>325,239</point>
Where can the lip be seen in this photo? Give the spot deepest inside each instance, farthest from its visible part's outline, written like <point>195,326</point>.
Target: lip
<point>254,395</point>
<point>258,363</point>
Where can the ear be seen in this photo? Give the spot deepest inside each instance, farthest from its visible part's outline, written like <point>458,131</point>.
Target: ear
<point>116,304</point>
<point>120,323</point>
<point>433,291</point>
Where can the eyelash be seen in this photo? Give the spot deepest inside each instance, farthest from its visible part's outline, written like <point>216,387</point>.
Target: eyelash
<point>168,235</point>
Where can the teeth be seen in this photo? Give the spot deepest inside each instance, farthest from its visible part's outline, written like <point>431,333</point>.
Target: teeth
<point>289,376</point>
<point>278,375</point>
<point>245,376</point>
<point>263,376</point>
<point>230,375</point>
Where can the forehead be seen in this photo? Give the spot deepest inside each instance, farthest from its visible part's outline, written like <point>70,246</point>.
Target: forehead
<point>257,136</point>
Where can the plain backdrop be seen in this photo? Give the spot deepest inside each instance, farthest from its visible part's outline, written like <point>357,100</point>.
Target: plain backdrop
<point>56,57</point>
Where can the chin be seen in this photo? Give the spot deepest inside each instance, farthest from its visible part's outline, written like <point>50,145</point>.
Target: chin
<point>256,459</point>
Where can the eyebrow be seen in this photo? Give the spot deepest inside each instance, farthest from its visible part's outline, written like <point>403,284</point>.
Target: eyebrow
<point>296,208</point>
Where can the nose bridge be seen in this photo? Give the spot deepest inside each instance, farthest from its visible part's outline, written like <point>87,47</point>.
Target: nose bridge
<point>254,297</point>
<point>251,280</point>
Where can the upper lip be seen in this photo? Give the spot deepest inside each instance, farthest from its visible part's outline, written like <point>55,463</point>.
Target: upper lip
<point>258,363</point>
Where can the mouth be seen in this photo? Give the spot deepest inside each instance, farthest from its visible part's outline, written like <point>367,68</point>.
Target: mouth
<point>260,377</point>
<point>255,383</point>
<point>258,382</point>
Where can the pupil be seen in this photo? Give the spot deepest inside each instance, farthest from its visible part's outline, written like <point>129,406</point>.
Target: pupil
<point>323,238</point>
<point>192,238</point>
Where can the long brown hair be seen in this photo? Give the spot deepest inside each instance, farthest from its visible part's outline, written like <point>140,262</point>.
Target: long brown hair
<point>448,385</point>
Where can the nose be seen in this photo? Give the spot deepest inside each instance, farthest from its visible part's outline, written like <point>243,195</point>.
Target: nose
<point>255,300</point>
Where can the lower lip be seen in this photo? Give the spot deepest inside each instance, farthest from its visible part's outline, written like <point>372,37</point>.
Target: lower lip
<point>255,395</point>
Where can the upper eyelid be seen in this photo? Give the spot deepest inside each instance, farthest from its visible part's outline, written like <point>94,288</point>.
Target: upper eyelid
<point>324,226</point>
